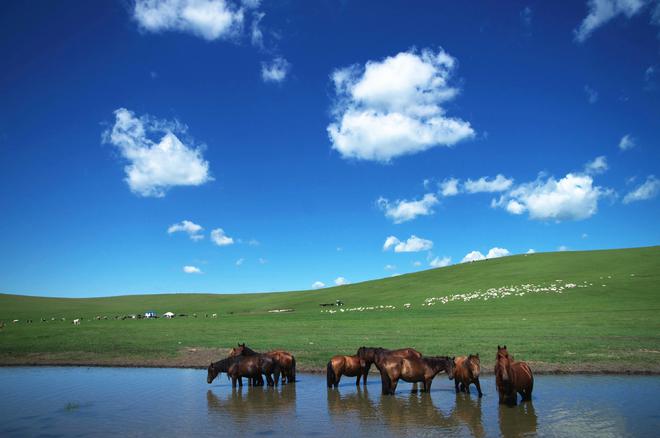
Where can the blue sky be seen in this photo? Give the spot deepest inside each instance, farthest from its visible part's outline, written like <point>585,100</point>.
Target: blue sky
<point>310,142</point>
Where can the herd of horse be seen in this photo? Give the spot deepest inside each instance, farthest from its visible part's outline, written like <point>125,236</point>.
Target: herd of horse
<point>511,377</point>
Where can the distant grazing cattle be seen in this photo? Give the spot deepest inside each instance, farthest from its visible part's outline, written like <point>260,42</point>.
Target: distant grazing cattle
<point>15,321</point>
<point>215,315</point>
<point>76,321</point>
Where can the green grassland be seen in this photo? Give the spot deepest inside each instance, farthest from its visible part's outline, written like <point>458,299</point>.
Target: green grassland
<point>613,324</point>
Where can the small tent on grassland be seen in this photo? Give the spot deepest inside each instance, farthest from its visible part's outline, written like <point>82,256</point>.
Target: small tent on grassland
<point>168,315</point>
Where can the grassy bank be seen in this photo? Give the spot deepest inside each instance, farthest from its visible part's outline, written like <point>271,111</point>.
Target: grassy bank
<point>603,315</point>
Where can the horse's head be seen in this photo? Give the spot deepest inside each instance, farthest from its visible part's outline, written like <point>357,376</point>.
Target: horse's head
<point>366,354</point>
<point>211,374</point>
<point>474,365</point>
<point>503,363</point>
<point>451,363</point>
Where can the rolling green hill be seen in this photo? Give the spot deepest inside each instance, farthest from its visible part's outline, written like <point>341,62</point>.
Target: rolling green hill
<point>592,310</point>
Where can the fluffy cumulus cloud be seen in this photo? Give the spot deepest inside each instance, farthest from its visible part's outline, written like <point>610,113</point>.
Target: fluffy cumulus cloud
<point>208,19</point>
<point>340,281</point>
<point>573,197</point>
<point>597,166</point>
<point>402,210</point>
<point>393,107</point>
<point>602,11</point>
<point>413,244</point>
<point>192,229</point>
<point>275,70</point>
<point>649,189</point>
<point>438,262</point>
<point>191,270</point>
<point>493,253</point>
<point>626,142</point>
<point>318,285</point>
<point>499,184</point>
<point>155,166</point>
<point>219,237</point>
<point>449,187</point>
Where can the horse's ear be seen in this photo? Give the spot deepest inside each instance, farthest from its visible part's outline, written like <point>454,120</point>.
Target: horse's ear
<point>505,347</point>
<point>477,354</point>
<point>498,347</point>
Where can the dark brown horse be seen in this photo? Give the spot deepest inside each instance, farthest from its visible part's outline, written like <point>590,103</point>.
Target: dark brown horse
<point>373,355</point>
<point>252,367</point>
<point>512,378</point>
<point>413,370</point>
<point>466,372</point>
<point>351,366</point>
<point>285,360</point>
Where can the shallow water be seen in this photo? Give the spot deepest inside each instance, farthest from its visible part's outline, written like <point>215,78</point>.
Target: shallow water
<point>132,402</point>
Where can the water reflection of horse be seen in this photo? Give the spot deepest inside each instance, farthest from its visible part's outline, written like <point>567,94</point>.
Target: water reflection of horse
<point>512,378</point>
<point>246,407</point>
<point>407,412</point>
<point>518,422</point>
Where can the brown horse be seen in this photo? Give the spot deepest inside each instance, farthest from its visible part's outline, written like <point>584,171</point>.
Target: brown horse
<point>466,371</point>
<point>285,360</point>
<point>373,355</point>
<point>251,367</point>
<point>351,366</point>
<point>422,369</point>
<point>512,378</point>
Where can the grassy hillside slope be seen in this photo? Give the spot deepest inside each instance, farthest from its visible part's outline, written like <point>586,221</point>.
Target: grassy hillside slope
<point>610,322</point>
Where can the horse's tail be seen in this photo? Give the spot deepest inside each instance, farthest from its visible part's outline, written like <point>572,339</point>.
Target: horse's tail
<point>330,375</point>
<point>293,368</point>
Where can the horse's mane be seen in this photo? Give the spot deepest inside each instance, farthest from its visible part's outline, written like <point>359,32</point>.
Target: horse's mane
<point>247,351</point>
<point>224,364</point>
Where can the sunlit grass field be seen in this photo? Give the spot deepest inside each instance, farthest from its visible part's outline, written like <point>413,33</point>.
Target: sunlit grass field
<point>611,322</point>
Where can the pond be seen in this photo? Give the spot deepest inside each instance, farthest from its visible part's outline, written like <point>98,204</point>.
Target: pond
<point>45,401</point>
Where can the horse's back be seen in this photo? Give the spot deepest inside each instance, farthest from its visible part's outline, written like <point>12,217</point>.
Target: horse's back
<point>524,376</point>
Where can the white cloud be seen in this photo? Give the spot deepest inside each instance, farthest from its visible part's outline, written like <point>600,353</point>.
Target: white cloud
<point>276,70</point>
<point>626,142</point>
<point>340,281</point>
<point>318,285</point>
<point>156,166</point>
<point>240,261</point>
<point>262,261</point>
<point>473,256</point>
<point>208,19</point>
<point>256,35</point>
<point>531,251</point>
<point>499,184</point>
<point>219,237</point>
<point>417,263</point>
<point>592,95</point>
<point>526,16</point>
<point>449,187</point>
<point>496,252</point>
<point>189,227</point>
<point>438,262</point>
<point>597,166</point>
<point>573,197</point>
<point>403,210</point>
<point>390,267</point>
<point>191,270</point>
<point>413,244</point>
<point>393,107</point>
<point>493,253</point>
<point>562,248</point>
<point>649,189</point>
<point>602,11</point>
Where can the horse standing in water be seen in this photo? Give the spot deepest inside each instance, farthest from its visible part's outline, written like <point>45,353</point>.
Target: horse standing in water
<point>251,367</point>
<point>512,378</point>
<point>422,369</point>
<point>466,371</point>
<point>285,360</point>
<point>350,366</point>
<point>374,355</point>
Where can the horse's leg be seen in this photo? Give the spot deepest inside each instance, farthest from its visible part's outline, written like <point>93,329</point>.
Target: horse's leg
<point>269,380</point>
<point>240,382</point>
<point>393,385</point>
<point>478,385</point>
<point>427,384</point>
<point>338,379</point>
<point>357,382</point>
<point>456,385</point>
<point>233,382</point>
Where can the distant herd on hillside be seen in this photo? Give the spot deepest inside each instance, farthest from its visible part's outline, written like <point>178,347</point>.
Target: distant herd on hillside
<point>511,377</point>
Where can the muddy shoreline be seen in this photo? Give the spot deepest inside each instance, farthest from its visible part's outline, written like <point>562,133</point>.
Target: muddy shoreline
<point>199,358</point>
